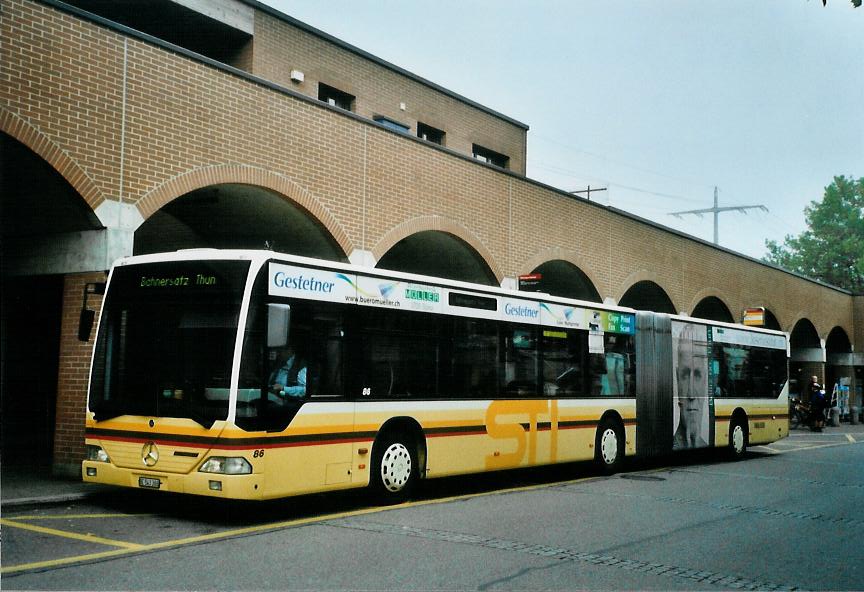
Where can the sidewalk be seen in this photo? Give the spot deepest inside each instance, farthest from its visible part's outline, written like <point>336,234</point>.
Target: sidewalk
<point>29,486</point>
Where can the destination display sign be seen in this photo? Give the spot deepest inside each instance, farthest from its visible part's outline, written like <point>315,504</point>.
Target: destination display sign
<point>178,277</point>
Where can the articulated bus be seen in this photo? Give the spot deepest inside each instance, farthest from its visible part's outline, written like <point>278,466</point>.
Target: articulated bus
<point>255,375</point>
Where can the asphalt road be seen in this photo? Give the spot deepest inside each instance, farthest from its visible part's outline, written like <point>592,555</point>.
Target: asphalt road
<point>790,516</point>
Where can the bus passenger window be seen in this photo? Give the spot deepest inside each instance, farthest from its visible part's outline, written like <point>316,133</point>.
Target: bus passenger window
<point>474,364</point>
<point>731,375</point>
<point>520,365</point>
<point>617,372</point>
<point>563,353</point>
<point>397,354</point>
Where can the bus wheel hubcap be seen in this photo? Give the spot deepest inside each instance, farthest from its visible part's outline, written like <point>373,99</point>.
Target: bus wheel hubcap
<point>395,467</point>
<point>738,438</point>
<point>609,446</point>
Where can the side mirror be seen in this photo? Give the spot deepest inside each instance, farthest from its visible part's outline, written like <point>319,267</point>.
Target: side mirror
<point>85,324</point>
<point>85,321</point>
<point>278,321</point>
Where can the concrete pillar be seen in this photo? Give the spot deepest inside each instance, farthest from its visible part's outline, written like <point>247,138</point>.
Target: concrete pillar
<point>363,258</point>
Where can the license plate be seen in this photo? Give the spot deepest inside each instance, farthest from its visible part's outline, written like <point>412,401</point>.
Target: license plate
<point>149,482</point>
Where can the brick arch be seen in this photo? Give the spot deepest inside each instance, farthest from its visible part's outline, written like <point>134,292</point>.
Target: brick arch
<point>643,275</point>
<point>707,293</point>
<point>803,316</point>
<point>244,175</point>
<point>439,224</point>
<point>52,154</point>
<point>572,257</point>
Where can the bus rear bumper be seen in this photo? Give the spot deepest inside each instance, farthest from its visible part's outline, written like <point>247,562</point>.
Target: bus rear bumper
<point>247,487</point>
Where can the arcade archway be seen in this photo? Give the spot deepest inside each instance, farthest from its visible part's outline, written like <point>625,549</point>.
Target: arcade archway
<point>714,309</point>
<point>440,254</point>
<point>238,216</point>
<point>807,358</point>
<point>646,295</point>
<point>562,278</point>
<point>40,212</point>
<point>840,370</point>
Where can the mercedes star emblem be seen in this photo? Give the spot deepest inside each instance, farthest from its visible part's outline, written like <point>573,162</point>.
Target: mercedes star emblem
<point>150,454</point>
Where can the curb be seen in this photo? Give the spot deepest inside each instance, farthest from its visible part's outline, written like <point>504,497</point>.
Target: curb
<point>42,500</point>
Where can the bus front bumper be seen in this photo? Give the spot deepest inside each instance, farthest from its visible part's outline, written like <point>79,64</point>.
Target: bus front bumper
<point>248,487</point>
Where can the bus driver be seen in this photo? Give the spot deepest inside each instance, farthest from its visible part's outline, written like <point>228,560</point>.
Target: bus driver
<point>289,377</point>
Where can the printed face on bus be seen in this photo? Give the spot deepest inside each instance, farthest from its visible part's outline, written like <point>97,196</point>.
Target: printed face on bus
<point>692,382</point>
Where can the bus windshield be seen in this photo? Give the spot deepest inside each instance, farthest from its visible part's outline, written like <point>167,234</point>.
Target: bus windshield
<point>166,340</point>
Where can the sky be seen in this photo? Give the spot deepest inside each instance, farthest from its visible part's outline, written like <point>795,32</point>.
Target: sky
<point>658,101</point>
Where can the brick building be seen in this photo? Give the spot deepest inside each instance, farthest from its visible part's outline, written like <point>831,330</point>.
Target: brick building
<point>146,126</point>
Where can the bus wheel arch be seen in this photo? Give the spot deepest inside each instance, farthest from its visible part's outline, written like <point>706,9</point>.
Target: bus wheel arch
<point>609,443</point>
<point>398,459</point>
<point>739,434</point>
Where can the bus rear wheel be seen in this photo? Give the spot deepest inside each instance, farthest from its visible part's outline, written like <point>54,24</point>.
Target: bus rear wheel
<point>737,438</point>
<point>395,469</point>
<point>609,447</point>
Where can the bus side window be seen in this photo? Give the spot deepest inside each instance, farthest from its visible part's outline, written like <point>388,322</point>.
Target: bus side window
<point>563,363</point>
<point>397,354</point>
<point>325,364</point>
<point>521,368</point>
<point>474,359</point>
<point>616,370</point>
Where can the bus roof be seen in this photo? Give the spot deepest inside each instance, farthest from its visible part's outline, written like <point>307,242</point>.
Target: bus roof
<point>260,257</point>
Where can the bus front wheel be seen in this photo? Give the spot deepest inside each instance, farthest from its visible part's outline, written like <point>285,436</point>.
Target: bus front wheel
<point>609,447</point>
<point>395,470</point>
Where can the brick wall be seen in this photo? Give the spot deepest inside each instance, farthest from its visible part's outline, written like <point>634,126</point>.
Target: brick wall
<point>73,374</point>
<point>281,47</point>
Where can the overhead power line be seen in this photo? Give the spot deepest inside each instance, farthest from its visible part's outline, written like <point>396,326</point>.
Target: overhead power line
<point>716,211</point>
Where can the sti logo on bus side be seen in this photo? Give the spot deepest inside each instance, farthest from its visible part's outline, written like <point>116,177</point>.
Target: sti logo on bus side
<point>516,425</point>
<point>283,280</point>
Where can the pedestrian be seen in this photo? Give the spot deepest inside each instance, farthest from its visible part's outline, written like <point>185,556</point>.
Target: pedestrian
<point>818,404</point>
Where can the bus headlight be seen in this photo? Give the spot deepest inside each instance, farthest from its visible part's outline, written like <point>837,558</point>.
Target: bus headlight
<point>226,465</point>
<point>97,454</point>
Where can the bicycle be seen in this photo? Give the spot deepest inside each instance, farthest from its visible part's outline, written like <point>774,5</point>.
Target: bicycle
<point>799,413</point>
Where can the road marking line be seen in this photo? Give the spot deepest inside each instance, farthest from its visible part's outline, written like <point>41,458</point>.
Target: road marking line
<point>261,528</point>
<point>851,439</point>
<point>769,450</point>
<point>65,561</point>
<point>70,535</point>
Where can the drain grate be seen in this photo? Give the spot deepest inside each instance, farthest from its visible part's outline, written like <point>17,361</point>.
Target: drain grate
<point>643,477</point>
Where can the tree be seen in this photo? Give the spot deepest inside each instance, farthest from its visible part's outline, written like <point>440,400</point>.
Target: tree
<point>832,248</point>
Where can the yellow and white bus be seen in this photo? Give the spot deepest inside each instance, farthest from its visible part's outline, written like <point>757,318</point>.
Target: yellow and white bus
<point>255,375</point>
